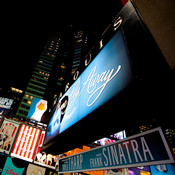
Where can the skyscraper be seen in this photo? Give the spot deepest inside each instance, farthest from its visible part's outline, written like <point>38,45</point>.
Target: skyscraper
<point>59,65</point>
<point>37,85</point>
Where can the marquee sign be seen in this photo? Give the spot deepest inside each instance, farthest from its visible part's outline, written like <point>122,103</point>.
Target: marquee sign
<point>148,148</point>
<point>106,76</point>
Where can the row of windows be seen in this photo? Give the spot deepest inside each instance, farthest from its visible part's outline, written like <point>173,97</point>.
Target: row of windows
<point>43,67</point>
<point>27,101</point>
<point>25,106</point>
<point>23,112</point>
<point>38,83</point>
<point>29,96</point>
<point>36,74</point>
<point>45,57</point>
<point>36,88</point>
<point>44,80</point>
<point>40,71</point>
<point>46,61</point>
<point>35,92</point>
<point>43,63</point>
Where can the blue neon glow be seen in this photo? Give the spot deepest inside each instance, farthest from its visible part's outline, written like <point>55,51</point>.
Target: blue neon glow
<point>108,74</point>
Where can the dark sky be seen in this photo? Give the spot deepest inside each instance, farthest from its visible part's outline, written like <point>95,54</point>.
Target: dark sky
<point>25,26</point>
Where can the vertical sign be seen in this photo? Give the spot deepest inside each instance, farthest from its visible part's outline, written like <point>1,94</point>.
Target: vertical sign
<point>8,132</point>
<point>37,109</point>
<point>26,143</point>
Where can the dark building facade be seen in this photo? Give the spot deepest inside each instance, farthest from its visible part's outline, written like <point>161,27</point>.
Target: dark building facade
<point>37,85</point>
<point>59,65</point>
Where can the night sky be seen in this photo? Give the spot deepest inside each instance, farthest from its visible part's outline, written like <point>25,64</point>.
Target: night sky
<point>24,27</point>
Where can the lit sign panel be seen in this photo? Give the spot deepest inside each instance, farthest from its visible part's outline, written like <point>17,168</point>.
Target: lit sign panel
<point>34,169</point>
<point>11,168</point>
<point>8,132</point>
<point>106,76</point>
<point>37,109</point>
<point>26,143</point>
<point>5,105</point>
<point>120,135</point>
<point>139,150</point>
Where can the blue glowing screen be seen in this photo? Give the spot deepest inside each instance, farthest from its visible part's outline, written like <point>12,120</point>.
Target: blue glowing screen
<point>108,74</point>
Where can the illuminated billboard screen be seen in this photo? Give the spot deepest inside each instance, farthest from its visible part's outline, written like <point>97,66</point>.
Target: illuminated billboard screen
<point>121,86</point>
<point>26,143</point>
<point>37,109</point>
<point>106,76</point>
<point>164,169</point>
<point>117,136</point>
<point>8,133</point>
<point>5,105</point>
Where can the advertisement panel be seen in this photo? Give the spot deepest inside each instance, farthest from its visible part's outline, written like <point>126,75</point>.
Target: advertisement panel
<point>8,133</point>
<point>164,169</point>
<point>42,158</point>
<point>26,143</point>
<point>46,160</point>
<point>35,170</point>
<point>5,105</point>
<point>37,109</point>
<point>105,77</point>
<point>117,136</point>
<point>14,166</point>
<point>139,171</point>
<point>139,150</point>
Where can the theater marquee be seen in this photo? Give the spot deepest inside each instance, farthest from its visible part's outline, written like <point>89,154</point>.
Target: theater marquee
<point>138,150</point>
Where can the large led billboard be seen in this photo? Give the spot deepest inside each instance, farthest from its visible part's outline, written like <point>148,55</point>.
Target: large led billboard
<point>125,83</point>
<point>26,143</point>
<point>106,76</point>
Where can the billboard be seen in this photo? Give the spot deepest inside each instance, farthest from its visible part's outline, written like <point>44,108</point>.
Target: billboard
<point>5,105</point>
<point>37,109</point>
<point>14,166</point>
<point>8,133</point>
<point>164,169</point>
<point>46,160</point>
<point>26,143</point>
<point>139,170</point>
<point>117,136</point>
<point>34,169</point>
<point>105,77</point>
<point>124,80</point>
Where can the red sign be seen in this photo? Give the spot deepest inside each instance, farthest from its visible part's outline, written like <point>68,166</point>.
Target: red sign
<point>26,143</point>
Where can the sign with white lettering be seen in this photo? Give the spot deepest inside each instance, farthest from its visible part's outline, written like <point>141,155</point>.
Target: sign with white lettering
<point>26,143</point>
<point>106,76</point>
<point>148,148</point>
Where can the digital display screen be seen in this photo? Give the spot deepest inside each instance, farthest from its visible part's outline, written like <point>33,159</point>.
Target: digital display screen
<point>117,136</point>
<point>26,143</point>
<point>164,169</point>
<point>8,133</point>
<point>37,109</point>
<point>5,105</point>
<point>105,77</point>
